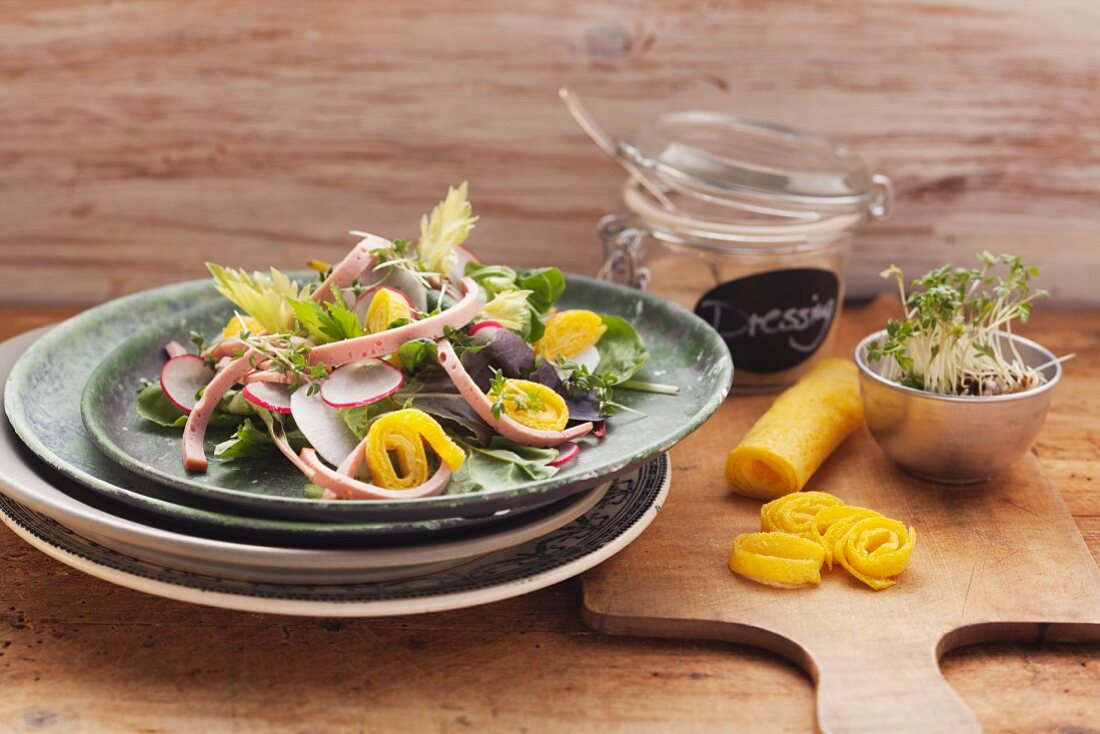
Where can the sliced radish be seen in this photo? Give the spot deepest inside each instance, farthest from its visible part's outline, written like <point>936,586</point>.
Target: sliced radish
<point>322,426</point>
<point>361,383</point>
<point>589,358</point>
<point>182,377</point>
<point>269,396</point>
<point>410,286</point>
<point>600,429</point>
<point>486,329</point>
<point>262,375</point>
<point>566,453</point>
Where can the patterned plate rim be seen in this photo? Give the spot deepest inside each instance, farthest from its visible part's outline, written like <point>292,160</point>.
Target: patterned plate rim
<point>501,575</point>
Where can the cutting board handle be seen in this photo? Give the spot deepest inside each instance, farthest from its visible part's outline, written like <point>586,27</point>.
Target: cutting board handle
<point>886,685</point>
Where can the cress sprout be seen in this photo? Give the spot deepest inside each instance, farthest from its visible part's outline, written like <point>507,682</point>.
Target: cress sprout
<point>951,339</point>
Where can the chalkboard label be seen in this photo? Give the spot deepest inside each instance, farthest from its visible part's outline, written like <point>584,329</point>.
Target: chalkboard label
<point>773,321</point>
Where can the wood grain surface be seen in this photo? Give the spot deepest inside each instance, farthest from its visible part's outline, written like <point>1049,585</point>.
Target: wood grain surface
<point>141,138</point>
<point>996,561</point>
<point>80,655</point>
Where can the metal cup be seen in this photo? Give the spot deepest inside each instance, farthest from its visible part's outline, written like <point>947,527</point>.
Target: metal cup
<point>955,439</point>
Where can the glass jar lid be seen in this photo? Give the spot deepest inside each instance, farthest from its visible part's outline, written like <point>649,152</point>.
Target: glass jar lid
<point>759,166</point>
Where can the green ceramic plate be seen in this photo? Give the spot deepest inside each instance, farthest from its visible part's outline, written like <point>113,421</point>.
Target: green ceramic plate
<point>684,351</point>
<point>42,401</point>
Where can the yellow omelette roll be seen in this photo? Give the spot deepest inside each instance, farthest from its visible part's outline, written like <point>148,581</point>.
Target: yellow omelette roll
<point>833,523</point>
<point>875,549</point>
<point>805,424</point>
<point>795,513</point>
<point>777,559</point>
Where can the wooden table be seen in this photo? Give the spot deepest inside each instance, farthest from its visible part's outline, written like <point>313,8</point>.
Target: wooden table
<point>77,654</point>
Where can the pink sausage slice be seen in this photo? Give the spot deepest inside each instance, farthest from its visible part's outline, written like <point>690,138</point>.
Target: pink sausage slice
<point>351,267</point>
<point>389,341</point>
<point>194,453</point>
<point>483,406</point>
<point>347,487</point>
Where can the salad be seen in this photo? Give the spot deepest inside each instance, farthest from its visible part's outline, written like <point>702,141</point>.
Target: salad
<point>402,371</point>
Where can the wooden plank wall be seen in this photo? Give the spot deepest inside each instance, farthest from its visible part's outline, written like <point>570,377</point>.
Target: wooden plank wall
<point>140,138</point>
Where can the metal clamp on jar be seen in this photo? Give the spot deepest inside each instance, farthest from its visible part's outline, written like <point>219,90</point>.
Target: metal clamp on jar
<point>745,223</point>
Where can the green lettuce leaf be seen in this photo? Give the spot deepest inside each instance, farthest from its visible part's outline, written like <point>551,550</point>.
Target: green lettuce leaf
<point>254,442</point>
<point>502,465</point>
<point>331,321</point>
<point>546,286</point>
<point>153,405</point>
<point>417,354</point>
<point>622,351</point>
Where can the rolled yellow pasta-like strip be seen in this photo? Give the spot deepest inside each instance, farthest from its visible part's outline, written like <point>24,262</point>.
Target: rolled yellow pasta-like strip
<point>875,549</point>
<point>795,513</point>
<point>777,559</point>
<point>805,424</point>
<point>833,523</point>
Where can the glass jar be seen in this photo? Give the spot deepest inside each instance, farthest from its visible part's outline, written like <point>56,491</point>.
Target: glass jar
<point>748,225</point>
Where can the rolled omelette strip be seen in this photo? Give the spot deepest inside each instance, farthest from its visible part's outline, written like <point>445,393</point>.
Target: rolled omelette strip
<point>875,549</point>
<point>795,513</point>
<point>777,559</point>
<point>803,426</point>
<point>833,523</point>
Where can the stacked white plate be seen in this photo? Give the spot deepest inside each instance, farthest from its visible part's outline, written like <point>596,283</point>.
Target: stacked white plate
<point>87,481</point>
<point>160,545</point>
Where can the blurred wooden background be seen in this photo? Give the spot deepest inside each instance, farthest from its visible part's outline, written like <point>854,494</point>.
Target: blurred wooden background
<point>140,138</point>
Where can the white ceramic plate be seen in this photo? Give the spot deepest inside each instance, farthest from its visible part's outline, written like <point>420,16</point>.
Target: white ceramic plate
<point>630,505</point>
<point>119,527</point>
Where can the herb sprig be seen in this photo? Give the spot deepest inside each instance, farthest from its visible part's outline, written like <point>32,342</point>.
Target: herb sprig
<point>950,339</point>
<point>505,393</point>
<point>290,355</point>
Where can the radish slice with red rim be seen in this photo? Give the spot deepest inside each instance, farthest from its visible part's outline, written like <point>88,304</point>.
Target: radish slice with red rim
<point>322,426</point>
<point>361,383</point>
<point>408,285</point>
<point>182,377</point>
<point>269,396</point>
<point>566,453</point>
<point>599,429</point>
<point>486,329</point>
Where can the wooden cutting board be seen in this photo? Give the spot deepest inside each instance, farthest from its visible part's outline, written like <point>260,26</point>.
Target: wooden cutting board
<point>997,561</point>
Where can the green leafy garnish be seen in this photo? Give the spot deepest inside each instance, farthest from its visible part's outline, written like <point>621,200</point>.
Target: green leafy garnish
<point>249,442</point>
<point>497,387</point>
<point>417,354</point>
<point>442,231</point>
<point>264,297</point>
<point>492,279</point>
<point>509,309</point>
<point>501,465</point>
<point>949,340</point>
<point>153,405</point>
<point>622,351</point>
<point>331,321</point>
<point>545,284</point>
